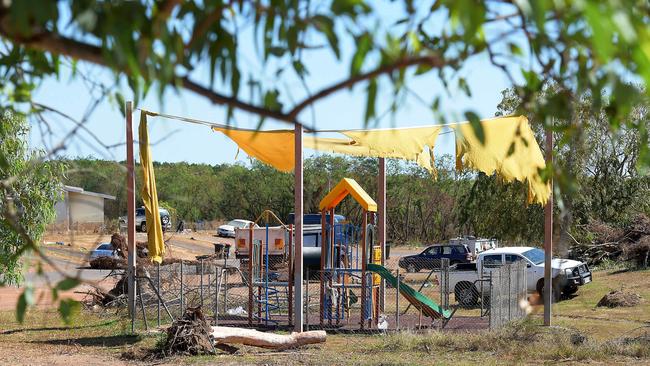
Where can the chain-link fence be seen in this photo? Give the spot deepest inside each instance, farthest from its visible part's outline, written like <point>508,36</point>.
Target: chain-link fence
<point>508,295</point>
<point>401,295</point>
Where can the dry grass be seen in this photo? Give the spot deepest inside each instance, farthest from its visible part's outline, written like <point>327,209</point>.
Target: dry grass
<point>582,333</point>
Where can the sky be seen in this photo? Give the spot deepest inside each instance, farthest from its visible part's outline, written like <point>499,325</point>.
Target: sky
<point>184,142</point>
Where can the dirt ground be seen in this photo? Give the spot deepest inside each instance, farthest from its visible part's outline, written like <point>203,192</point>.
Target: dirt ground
<point>104,339</point>
<point>69,254</point>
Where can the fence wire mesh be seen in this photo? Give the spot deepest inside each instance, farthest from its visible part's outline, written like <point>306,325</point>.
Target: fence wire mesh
<point>235,292</point>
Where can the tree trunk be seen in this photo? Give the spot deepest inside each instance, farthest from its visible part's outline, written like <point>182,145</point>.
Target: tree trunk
<point>251,337</point>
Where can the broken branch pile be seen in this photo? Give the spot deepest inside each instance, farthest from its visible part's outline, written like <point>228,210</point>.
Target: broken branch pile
<point>631,243</point>
<point>189,335</point>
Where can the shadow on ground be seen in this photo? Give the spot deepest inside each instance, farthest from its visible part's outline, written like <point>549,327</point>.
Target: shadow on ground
<point>48,329</point>
<point>105,341</point>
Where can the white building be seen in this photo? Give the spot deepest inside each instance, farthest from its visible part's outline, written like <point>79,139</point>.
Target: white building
<point>80,208</point>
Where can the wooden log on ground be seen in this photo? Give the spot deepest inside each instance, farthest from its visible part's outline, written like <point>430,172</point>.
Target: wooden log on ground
<point>251,337</point>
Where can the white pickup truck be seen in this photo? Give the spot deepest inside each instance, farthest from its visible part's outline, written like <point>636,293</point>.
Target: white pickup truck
<point>468,280</point>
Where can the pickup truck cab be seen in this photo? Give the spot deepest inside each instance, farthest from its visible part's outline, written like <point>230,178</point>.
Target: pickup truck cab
<point>467,282</point>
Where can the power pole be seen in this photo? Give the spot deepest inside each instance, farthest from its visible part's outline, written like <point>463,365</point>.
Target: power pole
<point>130,211</point>
<point>548,235</point>
<point>298,311</point>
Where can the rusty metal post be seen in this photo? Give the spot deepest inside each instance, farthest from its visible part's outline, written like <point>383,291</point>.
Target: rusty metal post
<point>298,212</point>
<point>548,236</point>
<point>130,211</point>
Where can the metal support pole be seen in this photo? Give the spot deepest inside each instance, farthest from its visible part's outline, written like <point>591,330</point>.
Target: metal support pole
<point>324,245</point>
<point>182,290</point>
<point>298,216</point>
<point>130,211</point>
<point>364,262</point>
<point>291,275</point>
<point>144,313</point>
<point>548,236</point>
<point>381,225</point>
<point>397,301</point>
<point>201,284</point>
<point>158,287</point>
<point>250,275</point>
<point>307,296</point>
<point>218,278</point>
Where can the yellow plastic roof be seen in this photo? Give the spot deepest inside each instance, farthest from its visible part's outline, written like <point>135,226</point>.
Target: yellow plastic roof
<point>345,187</point>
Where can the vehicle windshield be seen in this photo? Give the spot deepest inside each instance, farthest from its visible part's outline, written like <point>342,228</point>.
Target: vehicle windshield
<point>237,224</point>
<point>534,255</point>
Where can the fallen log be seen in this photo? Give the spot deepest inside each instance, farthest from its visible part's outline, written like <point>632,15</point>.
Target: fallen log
<point>251,337</point>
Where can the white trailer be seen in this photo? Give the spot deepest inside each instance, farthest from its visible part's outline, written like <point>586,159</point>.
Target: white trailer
<point>278,239</point>
<point>476,245</point>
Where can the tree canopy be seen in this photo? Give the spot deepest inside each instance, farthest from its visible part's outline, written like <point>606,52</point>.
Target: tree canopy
<point>581,46</point>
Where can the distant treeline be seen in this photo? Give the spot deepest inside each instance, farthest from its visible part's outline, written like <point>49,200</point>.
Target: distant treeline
<point>420,208</point>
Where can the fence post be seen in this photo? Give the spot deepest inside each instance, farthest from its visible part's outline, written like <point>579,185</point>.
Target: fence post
<point>217,285</point>
<point>182,289</point>
<point>510,268</point>
<point>201,284</point>
<point>307,296</point>
<point>397,302</point>
<point>160,293</point>
<point>492,301</point>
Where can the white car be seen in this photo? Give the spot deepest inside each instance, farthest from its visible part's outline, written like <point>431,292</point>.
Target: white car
<point>103,250</point>
<point>140,220</point>
<point>567,274</point>
<point>228,230</point>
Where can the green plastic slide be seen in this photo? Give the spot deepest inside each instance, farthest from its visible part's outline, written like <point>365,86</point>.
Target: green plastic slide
<point>429,307</point>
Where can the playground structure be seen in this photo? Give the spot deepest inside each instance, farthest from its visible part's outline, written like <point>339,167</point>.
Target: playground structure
<point>353,280</point>
<point>283,150</point>
<point>340,266</point>
<point>351,275</point>
<point>267,288</point>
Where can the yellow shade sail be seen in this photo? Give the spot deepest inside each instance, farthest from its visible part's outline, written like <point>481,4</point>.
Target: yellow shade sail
<point>412,143</point>
<point>149,193</point>
<point>344,188</point>
<point>274,147</point>
<point>509,150</point>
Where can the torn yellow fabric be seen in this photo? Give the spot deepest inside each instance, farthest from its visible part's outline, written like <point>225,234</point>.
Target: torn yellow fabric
<point>510,150</point>
<point>149,194</point>
<point>334,145</point>
<point>412,143</point>
<point>275,148</point>
<point>415,144</point>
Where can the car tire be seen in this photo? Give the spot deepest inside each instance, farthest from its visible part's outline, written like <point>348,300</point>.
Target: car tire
<point>557,292</point>
<point>571,290</point>
<point>143,227</point>
<point>466,294</point>
<point>411,268</point>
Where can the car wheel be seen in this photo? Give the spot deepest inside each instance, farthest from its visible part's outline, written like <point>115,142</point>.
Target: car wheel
<point>411,268</point>
<point>143,227</point>
<point>466,294</point>
<point>571,290</point>
<point>556,293</point>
